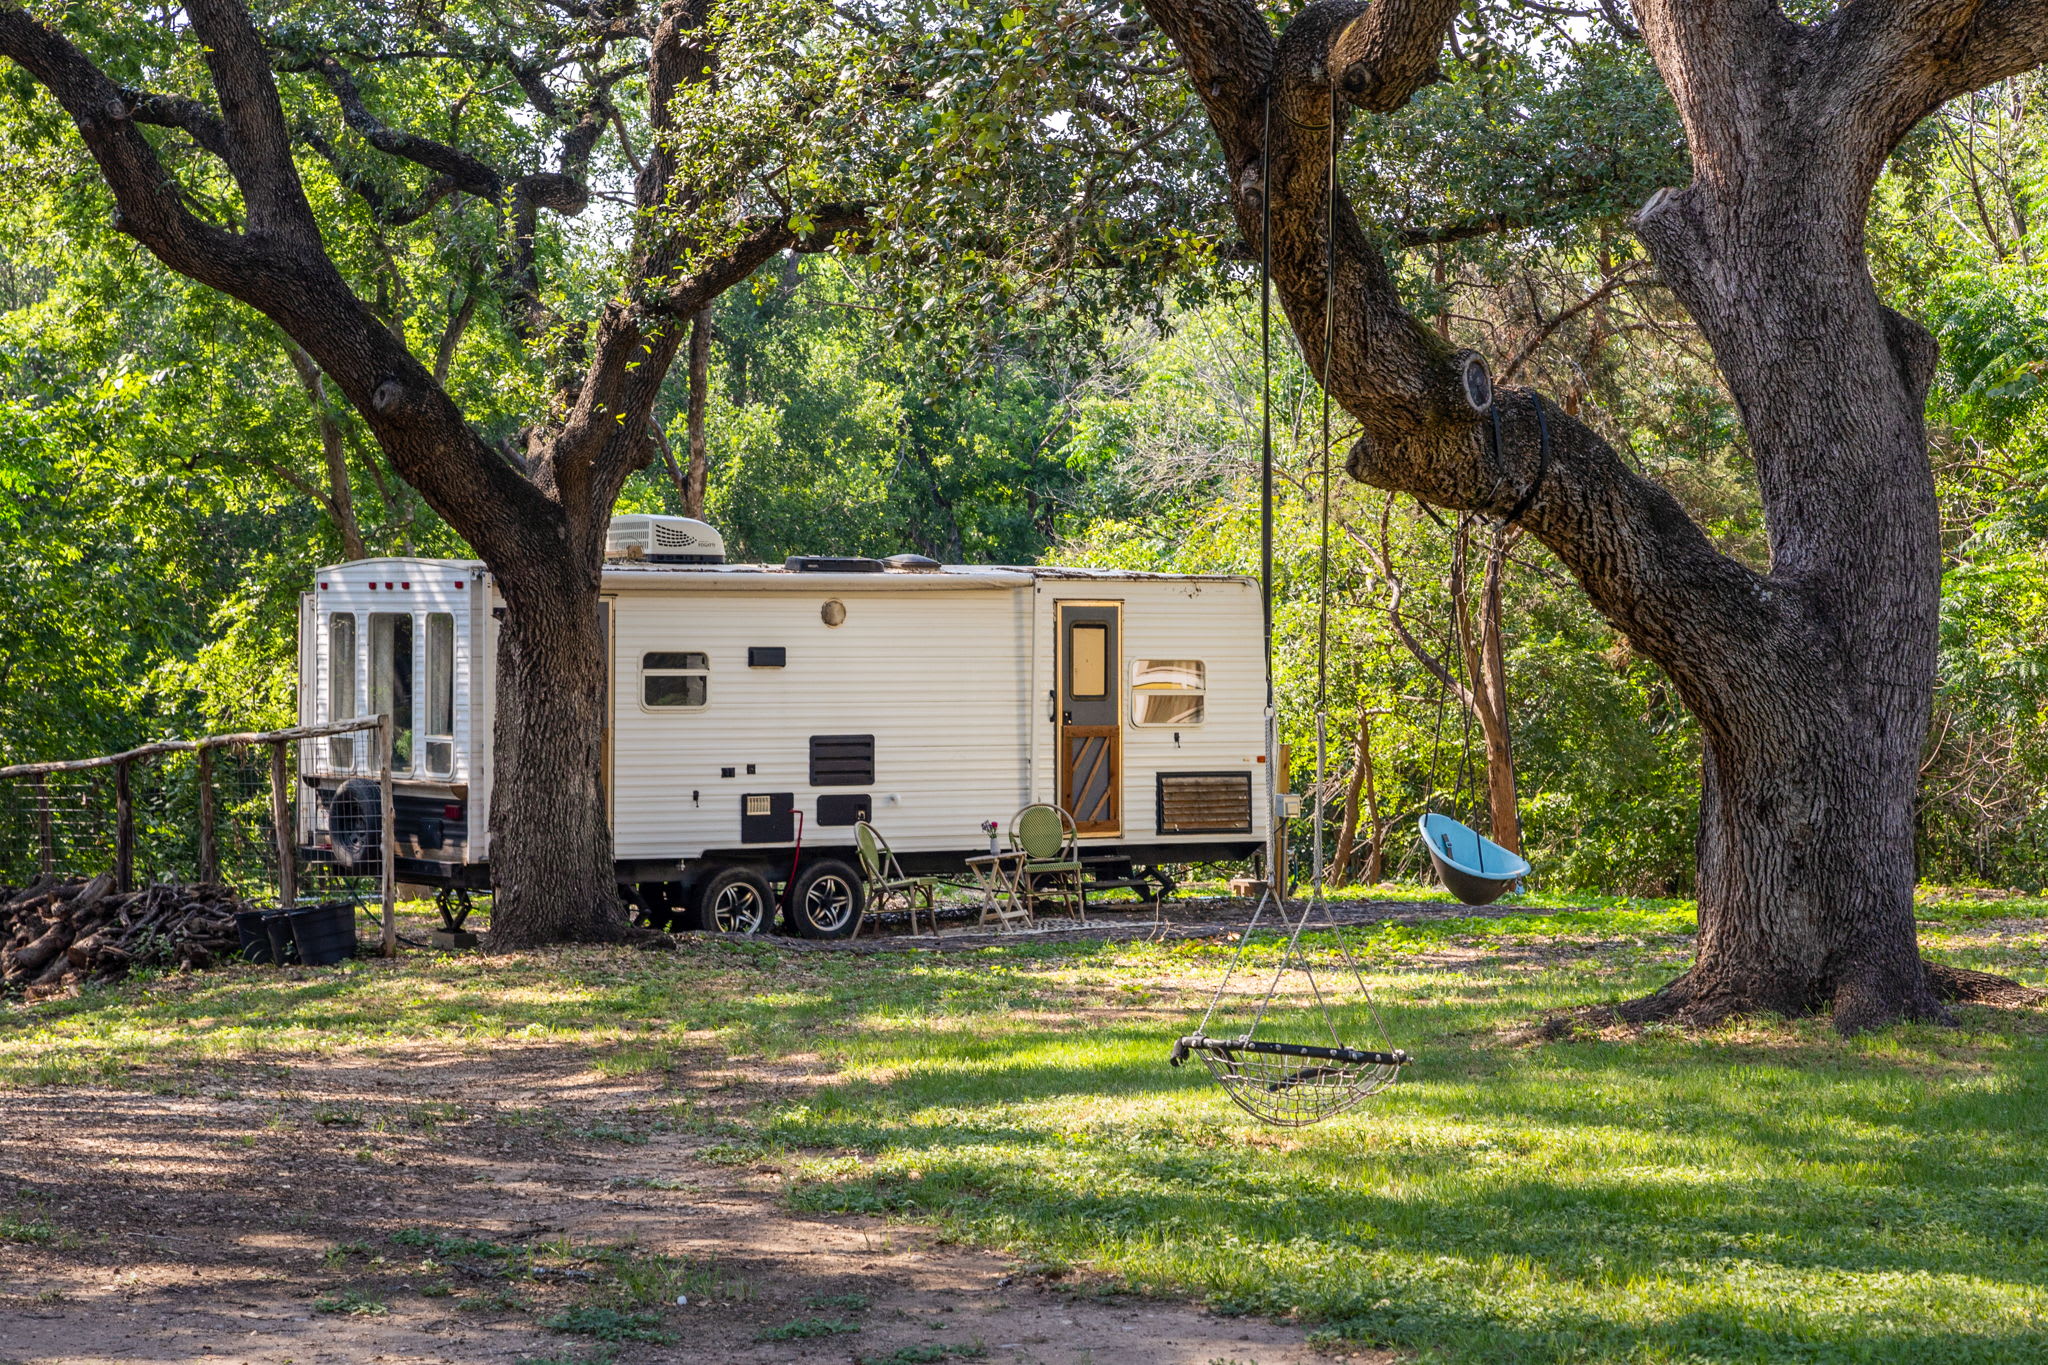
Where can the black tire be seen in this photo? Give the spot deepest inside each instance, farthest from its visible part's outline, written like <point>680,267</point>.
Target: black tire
<point>735,900</point>
<point>355,826</point>
<point>826,900</point>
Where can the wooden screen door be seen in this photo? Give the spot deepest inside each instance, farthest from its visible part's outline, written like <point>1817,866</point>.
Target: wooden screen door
<point>1091,704</point>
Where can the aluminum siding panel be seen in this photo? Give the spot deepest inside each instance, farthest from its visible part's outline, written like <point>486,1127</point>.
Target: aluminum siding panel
<point>941,679</point>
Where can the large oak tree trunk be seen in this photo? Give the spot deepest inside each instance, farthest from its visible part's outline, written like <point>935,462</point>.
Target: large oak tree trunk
<point>1811,682</point>
<point>551,845</point>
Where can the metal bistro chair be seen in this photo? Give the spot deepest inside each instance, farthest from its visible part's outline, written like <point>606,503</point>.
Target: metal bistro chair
<point>887,882</point>
<point>1051,874</point>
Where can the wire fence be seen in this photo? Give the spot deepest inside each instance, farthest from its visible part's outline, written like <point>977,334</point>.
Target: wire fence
<point>223,810</point>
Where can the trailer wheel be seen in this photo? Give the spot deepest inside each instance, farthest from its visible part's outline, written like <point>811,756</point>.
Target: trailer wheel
<point>355,825</point>
<point>827,900</point>
<point>735,900</point>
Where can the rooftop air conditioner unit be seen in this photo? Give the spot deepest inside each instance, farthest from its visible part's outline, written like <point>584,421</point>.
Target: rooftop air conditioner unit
<point>663,540</point>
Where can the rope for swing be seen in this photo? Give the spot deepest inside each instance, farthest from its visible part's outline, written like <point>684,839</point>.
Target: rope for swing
<point>1262,1076</point>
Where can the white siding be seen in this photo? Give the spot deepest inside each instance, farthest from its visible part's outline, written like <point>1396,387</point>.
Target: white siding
<point>938,678</point>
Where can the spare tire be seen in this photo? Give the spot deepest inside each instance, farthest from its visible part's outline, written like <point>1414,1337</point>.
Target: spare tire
<point>355,825</point>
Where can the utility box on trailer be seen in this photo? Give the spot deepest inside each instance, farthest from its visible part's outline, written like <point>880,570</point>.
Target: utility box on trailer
<point>756,713</point>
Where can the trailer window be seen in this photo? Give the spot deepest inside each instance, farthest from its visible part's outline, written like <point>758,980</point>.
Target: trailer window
<point>391,680</point>
<point>341,688</point>
<point>1168,691</point>
<point>677,678</point>
<point>440,726</point>
<point>1088,659</point>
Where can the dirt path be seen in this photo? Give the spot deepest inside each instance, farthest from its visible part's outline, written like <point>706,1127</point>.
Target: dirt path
<point>444,1209</point>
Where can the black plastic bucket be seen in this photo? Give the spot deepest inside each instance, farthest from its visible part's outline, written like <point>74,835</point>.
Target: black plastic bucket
<point>255,938</point>
<point>324,933</point>
<point>278,925</point>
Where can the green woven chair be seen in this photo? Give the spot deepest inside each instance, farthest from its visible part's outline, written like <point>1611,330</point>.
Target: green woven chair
<point>1052,860</point>
<point>887,883</point>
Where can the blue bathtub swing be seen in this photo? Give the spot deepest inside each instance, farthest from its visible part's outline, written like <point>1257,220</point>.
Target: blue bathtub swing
<point>1471,866</point>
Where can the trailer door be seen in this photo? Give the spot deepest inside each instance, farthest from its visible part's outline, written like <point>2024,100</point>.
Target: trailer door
<point>1090,666</point>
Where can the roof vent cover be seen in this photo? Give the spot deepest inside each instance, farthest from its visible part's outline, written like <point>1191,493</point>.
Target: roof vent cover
<point>663,540</point>
<point>831,564</point>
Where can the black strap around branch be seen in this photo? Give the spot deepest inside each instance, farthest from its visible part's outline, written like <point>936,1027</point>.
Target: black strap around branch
<point>1542,458</point>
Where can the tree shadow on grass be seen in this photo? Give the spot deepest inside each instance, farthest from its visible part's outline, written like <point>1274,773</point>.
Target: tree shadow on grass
<point>1591,1202</point>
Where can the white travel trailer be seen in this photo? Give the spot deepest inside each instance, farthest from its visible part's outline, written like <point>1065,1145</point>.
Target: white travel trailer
<point>757,712</point>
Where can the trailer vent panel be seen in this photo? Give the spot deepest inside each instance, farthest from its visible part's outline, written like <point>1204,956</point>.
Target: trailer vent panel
<point>768,817</point>
<point>842,760</point>
<point>1205,803</point>
<point>842,810</point>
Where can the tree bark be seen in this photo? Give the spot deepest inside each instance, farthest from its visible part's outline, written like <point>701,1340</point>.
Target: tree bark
<point>1811,682</point>
<point>1361,787</point>
<point>1347,831</point>
<point>551,847</point>
<point>1503,804</point>
<point>1486,693</point>
<point>698,468</point>
<point>339,499</point>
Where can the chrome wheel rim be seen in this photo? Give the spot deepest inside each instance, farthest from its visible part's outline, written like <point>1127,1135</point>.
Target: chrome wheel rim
<point>737,909</point>
<point>828,903</point>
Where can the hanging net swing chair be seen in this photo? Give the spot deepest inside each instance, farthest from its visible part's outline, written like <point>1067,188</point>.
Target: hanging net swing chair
<point>1290,1084</point>
<point>1285,1083</point>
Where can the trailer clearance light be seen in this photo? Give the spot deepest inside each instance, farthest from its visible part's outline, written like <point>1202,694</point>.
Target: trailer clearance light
<point>451,811</point>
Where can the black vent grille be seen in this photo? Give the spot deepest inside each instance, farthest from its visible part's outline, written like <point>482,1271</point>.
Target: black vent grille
<point>1205,803</point>
<point>842,760</point>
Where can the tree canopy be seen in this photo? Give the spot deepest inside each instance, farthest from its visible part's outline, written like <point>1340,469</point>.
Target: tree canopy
<point>1033,336</point>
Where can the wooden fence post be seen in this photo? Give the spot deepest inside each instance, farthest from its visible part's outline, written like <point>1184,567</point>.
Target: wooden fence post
<point>209,851</point>
<point>387,836</point>
<point>45,832</point>
<point>124,830</point>
<point>287,837</point>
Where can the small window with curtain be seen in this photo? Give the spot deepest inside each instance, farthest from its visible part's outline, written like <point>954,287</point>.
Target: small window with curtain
<point>678,679</point>
<point>391,681</point>
<point>1168,691</point>
<point>1088,659</point>
<point>440,735</point>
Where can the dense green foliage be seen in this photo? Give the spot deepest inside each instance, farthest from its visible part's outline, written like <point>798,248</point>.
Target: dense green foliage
<point>1047,348</point>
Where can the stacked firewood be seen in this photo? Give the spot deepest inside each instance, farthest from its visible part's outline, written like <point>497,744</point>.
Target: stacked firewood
<point>56,935</point>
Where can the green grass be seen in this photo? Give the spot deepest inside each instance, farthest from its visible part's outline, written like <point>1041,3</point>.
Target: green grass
<point>927,1355</point>
<point>33,1231</point>
<point>1769,1193</point>
<point>803,1328</point>
<point>609,1324</point>
<point>351,1303</point>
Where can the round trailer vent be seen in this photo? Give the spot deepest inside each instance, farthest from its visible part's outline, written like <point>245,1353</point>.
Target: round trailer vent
<point>911,564</point>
